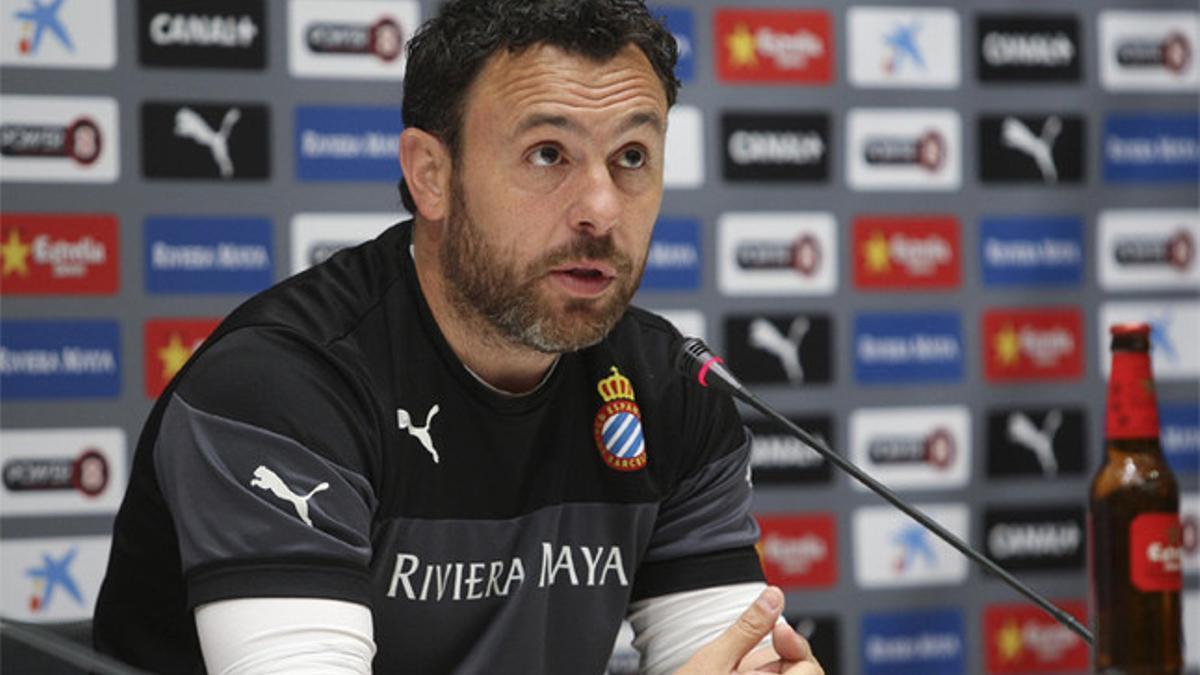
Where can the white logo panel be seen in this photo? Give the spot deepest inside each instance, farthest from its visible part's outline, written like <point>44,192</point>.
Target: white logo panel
<point>893,550</point>
<point>1174,335</point>
<point>54,579</point>
<point>1189,515</point>
<point>62,471</point>
<point>683,166</point>
<point>898,149</point>
<point>777,253</point>
<point>42,34</point>
<point>1148,250</point>
<point>904,47</point>
<point>928,448</point>
<point>316,236</point>
<point>689,322</point>
<point>1150,50</point>
<point>59,139</point>
<point>357,39</point>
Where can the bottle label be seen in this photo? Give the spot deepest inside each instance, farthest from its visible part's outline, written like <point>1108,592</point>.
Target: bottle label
<point>1132,408</point>
<point>1156,552</point>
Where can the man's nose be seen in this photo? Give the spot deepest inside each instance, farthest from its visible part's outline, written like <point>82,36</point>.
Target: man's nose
<point>598,201</point>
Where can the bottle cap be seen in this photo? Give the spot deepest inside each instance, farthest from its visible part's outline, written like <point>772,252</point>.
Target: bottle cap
<point>1129,329</point>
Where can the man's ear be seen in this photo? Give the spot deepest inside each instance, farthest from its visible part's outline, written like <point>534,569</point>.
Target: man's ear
<point>425,161</point>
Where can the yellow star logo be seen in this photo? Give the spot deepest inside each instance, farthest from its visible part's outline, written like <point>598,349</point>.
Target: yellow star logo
<point>15,254</point>
<point>1007,346</point>
<point>1008,641</point>
<point>742,47</point>
<point>876,254</point>
<point>173,356</point>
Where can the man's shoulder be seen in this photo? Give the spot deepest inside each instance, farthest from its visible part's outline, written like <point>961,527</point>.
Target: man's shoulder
<point>329,299</point>
<point>310,334</point>
<point>647,332</point>
<point>642,343</point>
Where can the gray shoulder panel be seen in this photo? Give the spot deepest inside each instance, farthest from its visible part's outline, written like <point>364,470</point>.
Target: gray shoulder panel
<point>241,493</point>
<point>709,511</point>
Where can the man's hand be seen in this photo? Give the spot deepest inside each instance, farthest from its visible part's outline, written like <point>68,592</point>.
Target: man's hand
<point>731,651</point>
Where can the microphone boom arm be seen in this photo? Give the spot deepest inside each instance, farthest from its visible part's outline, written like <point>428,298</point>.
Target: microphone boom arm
<point>696,361</point>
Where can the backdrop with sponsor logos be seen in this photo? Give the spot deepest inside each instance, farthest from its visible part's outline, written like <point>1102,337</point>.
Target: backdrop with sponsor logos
<point>906,227</point>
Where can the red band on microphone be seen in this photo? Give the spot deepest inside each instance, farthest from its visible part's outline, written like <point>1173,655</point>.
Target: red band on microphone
<point>704,369</point>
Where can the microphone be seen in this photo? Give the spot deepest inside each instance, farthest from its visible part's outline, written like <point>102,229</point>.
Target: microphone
<point>696,362</point>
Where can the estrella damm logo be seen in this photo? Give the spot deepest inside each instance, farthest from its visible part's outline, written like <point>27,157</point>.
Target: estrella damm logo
<point>618,425</point>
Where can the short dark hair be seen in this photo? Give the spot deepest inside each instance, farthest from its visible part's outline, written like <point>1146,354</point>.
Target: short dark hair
<point>447,52</point>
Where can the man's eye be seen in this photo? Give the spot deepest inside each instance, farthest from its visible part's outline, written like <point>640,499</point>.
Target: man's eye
<point>632,158</point>
<point>546,155</point>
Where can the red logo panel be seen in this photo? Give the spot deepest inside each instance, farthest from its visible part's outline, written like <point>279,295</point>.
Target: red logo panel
<point>168,343</point>
<point>1156,552</point>
<point>1022,638</point>
<point>799,551</point>
<point>907,253</point>
<point>50,254</point>
<point>774,46</point>
<point>1032,344</point>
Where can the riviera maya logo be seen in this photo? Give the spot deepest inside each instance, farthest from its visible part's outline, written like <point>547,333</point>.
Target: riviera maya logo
<point>618,425</point>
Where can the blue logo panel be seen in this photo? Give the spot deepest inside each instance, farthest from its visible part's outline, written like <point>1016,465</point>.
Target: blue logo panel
<point>928,642</point>
<point>679,21</point>
<point>1031,251</point>
<point>909,347</point>
<point>674,259</point>
<point>1152,148</point>
<point>334,143</point>
<point>208,255</point>
<point>1179,425</point>
<point>59,359</point>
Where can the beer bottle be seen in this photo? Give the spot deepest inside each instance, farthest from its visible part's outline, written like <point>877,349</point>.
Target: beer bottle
<point>1134,529</point>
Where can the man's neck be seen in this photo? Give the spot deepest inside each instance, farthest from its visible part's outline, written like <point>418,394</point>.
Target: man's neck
<point>501,364</point>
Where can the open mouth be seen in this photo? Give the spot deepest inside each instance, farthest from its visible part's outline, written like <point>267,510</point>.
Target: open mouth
<point>586,278</point>
<point>585,273</point>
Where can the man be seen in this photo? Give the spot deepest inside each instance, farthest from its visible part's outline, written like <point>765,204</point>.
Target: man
<point>454,449</point>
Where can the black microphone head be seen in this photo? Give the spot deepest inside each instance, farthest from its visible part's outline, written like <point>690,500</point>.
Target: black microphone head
<point>690,356</point>
<point>696,362</point>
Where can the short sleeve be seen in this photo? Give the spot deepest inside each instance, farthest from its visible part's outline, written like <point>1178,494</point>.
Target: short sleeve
<point>704,534</point>
<point>264,455</point>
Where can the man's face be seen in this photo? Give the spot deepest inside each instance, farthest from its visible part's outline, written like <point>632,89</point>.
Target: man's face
<point>554,194</point>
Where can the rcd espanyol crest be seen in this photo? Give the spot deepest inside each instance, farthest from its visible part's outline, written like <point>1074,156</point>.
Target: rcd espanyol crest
<point>618,425</point>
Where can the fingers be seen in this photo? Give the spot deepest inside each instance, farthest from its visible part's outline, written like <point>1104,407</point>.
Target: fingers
<point>754,623</point>
<point>804,668</point>
<point>795,655</point>
<point>789,644</point>
<point>724,653</point>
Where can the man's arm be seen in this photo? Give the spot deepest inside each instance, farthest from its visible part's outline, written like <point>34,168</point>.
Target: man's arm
<point>733,651</point>
<point>317,636</point>
<point>669,629</point>
<point>263,457</point>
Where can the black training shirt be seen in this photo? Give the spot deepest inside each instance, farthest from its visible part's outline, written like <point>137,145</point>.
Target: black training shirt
<point>326,442</point>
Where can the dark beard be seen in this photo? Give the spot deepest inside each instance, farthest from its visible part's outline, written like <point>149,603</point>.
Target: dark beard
<point>481,284</point>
